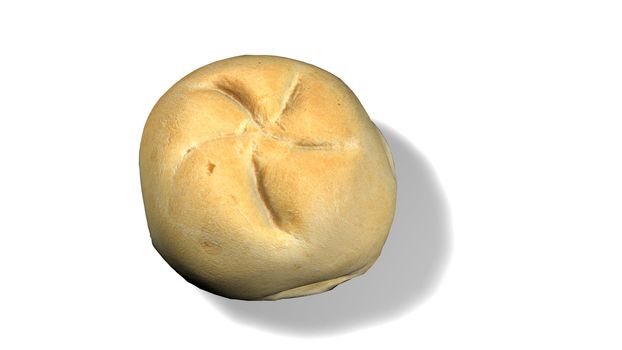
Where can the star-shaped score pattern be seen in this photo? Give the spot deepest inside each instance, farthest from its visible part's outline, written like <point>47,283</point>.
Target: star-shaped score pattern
<point>258,125</point>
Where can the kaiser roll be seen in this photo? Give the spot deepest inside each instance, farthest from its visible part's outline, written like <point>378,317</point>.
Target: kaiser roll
<point>264,178</point>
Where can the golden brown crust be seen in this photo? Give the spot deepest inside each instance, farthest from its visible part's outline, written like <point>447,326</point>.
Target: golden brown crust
<point>262,174</point>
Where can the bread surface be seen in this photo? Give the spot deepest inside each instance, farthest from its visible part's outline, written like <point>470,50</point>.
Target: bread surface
<point>264,178</point>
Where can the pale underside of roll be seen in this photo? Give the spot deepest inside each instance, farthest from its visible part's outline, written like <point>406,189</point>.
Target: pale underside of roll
<point>264,178</point>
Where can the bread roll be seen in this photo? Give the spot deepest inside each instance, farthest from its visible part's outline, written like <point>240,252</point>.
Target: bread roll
<point>264,178</point>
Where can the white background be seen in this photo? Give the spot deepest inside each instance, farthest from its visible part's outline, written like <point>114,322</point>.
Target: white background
<point>504,118</point>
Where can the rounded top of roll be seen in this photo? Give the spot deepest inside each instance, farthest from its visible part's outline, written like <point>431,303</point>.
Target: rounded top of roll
<point>263,176</point>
